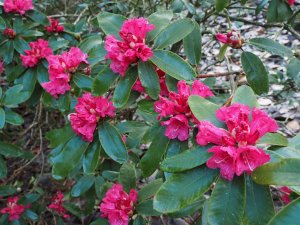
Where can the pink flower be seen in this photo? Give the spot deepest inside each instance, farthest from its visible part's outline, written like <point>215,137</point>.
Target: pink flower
<point>2,69</point>
<point>39,50</point>
<point>291,2</point>
<point>10,33</point>
<point>17,6</point>
<point>241,137</point>
<point>176,107</point>
<point>177,127</point>
<point>232,38</point>
<point>57,205</point>
<point>54,26</point>
<point>60,69</point>
<point>285,196</point>
<point>89,110</point>
<point>132,47</point>
<point>14,209</point>
<point>117,205</point>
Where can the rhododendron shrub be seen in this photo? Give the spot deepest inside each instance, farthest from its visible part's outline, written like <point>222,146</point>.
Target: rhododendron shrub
<point>149,112</point>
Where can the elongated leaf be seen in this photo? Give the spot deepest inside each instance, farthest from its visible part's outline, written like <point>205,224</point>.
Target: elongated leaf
<point>274,139</point>
<point>153,156</point>
<point>293,70</point>
<point>91,158</point>
<point>204,109</point>
<point>127,176</point>
<point>146,208</point>
<point>38,17</point>
<point>256,73</point>
<point>2,24</point>
<point>112,143</point>
<point>91,42</point>
<point>192,45</point>
<point>13,118</point>
<point>7,51</point>
<point>288,215</point>
<point>20,45</point>
<point>292,150</point>
<point>173,65</point>
<point>3,168</point>
<point>103,82</point>
<point>149,79</point>
<point>186,160</point>
<point>278,11</point>
<point>284,172</point>
<point>182,189</point>
<point>226,204</point>
<point>123,89</point>
<point>110,23</point>
<point>59,136</point>
<point>82,185</point>
<point>82,81</point>
<point>14,95</point>
<point>170,34</point>
<point>9,150</point>
<point>160,20</point>
<point>73,151</point>
<point>271,46</point>
<point>2,118</point>
<point>149,190</point>
<point>221,4</point>
<point>245,95</point>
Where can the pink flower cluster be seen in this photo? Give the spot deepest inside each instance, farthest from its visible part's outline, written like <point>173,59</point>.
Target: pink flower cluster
<point>232,39</point>
<point>39,50</point>
<point>60,69</point>
<point>17,6</point>
<point>57,205</point>
<point>2,69</point>
<point>235,152</point>
<point>54,26</point>
<point>14,209</point>
<point>89,110</point>
<point>10,33</point>
<point>291,2</point>
<point>162,81</point>
<point>117,205</point>
<point>131,48</point>
<point>176,107</point>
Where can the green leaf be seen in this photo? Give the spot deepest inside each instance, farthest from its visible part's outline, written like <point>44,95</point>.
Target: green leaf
<point>83,82</point>
<point>42,74</point>
<point>32,33</point>
<point>103,82</point>
<point>112,143</point>
<point>293,70</point>
<point>170,34</point>
<point>14,95</point>
<point>91,158</point>
<point>7,190</point>
<point>13,118</point>
<point>2,24</point>
<point>146,208</point>
<point>258,200</point>
<point>7,52</point>
<point>82,185</point>
<point>288,215</point>
<point>182,189</point>
<point>245,95</point>
<point>189,210</point>
<point>38,17</point>
<point>3,168</point>
<point>59,136</point>
<point>186,160</point>
<point>284,172</point>
<point>256,73</point>
<point>73,152</point>
<point>271,46</point>
<point>192,45</point>
<point>110,23</point>
<point>31,215</point>
<point>204,109</point>
<point>160,20</point>
<point>278,11</point>
<point>127,177</point>
<point>9,150</point>
<point>100,221</point>
<point>221,4</point>
<point>173,65</point>
<point>149,190</point>
<point>293,149</point>
<point>90,42</point>
<point>149,79</point>
<point>20,45</point>
<point>261,6</point>
<point>2,118</point>
<point>123,89</point>
<point>274,139</point>
<point>227,201</point>
<point>150,161</point>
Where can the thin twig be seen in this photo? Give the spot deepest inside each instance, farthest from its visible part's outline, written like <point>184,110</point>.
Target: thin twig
<point>218,74</point>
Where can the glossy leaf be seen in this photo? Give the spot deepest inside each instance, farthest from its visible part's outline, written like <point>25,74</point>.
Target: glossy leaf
<point>38,17</point>
<point>245,95</point>
<point>173,65</point>
<point>13,118</point>
<point>110,23</point>
<point>192,45</point>
<point>2,118</point>
<point>256,73</point>
<point>3,168</point>
<point>221,4</point>
<point>15,95</point>
<point>127,176</point>
<point>103,82</point>
<point>112,143</point>
<point>274,139</point>
<point>59,136</point>
<point>160,20</point>
<point>146,208</point>
<point>182,189</point>
<point>91,158</point>
<point>278,11</point>
<point>149,190</point>
<point>82,185</point>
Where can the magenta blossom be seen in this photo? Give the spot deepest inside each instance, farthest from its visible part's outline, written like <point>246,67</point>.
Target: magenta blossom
<point>291,2</point>
<point>60,69</point>
<point>132,47</point>
<point>54,26</point>
<point>10,33</point>
<point>89,110</point>
<point>232,39</point>
<point>2,69</point>
<point>57,205</point>
<point>38,50</point>
<point>235,152</point>
<point>176,108</point>
<point>286,194</point>
<point>17,6</point>
<point>117,205</point>
<point>14,209</point>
